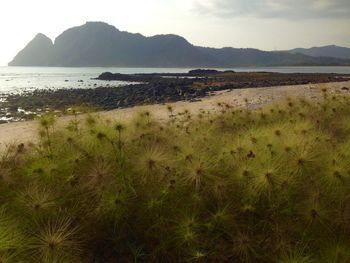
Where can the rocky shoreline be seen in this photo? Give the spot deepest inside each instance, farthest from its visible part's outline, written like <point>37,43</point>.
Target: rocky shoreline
<point>149,89</point>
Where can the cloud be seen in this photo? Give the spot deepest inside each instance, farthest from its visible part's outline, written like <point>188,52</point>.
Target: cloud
<point>286,9</point>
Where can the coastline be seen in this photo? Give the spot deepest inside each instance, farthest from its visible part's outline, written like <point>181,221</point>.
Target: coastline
<point>24,132</point>
<point>144,89</point>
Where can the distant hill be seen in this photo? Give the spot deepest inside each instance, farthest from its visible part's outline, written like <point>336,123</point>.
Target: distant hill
<point>326,51</point>
<point>100,44</point>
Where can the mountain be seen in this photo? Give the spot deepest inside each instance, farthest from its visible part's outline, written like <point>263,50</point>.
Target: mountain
<point>233,57</point>
<point>38,52</point>
<point>326,51</point>
<point>100,44</point>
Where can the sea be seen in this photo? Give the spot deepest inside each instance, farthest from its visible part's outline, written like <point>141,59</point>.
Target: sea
<point>19,79</point>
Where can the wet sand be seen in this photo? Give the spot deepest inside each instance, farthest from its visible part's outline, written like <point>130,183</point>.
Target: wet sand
<point>24,132</point>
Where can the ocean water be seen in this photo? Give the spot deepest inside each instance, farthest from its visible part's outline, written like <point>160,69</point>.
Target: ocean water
<point>17,79</point>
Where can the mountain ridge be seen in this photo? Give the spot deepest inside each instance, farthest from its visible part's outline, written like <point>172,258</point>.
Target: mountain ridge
<point>101,44</point>
<point>324,51</point>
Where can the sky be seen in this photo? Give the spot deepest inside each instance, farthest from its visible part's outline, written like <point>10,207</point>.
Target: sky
<point>263,24</point>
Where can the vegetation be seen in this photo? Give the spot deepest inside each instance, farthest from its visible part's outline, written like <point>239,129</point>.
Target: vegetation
<point>266,185</point>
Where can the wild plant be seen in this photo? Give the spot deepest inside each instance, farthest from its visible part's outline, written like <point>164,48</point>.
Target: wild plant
<point>238,185</point>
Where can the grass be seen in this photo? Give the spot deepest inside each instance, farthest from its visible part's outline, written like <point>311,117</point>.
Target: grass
<point>239,185</point>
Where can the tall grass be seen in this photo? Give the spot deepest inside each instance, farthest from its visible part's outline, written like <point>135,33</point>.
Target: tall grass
<point>239,185</point>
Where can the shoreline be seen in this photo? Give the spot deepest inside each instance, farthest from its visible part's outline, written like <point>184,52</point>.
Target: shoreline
<point>24,132</point>
<point>146,89</point>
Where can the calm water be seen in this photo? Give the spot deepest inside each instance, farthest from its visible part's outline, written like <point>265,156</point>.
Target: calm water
<point>15,79</point>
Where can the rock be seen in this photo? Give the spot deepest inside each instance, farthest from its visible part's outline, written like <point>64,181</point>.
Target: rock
<point>201,72</point>
<point>155,90</point>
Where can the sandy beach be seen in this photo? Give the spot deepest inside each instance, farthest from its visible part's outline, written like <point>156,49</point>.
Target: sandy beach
<point>24,132</point>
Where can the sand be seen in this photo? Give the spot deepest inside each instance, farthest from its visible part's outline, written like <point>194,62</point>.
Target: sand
<point>24,132</point>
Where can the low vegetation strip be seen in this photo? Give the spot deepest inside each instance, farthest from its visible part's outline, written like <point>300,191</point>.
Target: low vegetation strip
<point>265,185</point>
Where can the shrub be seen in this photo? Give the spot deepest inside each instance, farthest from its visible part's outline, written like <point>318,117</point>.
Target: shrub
<point>264,185</point>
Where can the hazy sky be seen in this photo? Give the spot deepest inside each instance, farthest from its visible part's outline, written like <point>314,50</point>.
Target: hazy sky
<point>264,24</point>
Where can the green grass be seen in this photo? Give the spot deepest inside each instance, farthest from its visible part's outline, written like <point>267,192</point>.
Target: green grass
<point>265,185</point>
